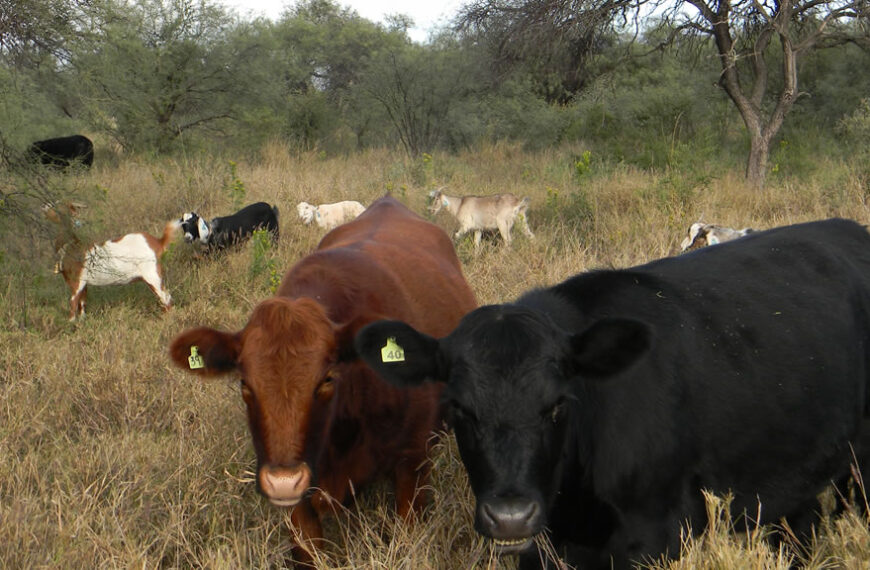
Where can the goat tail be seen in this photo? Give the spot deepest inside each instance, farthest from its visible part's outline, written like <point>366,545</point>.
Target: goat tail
<point>277,230</point>
<point>169,230</point>
<point>524,205</point>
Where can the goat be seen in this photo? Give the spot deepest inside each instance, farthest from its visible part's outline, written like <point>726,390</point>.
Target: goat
<point>131,257</point>
<point>478,213</point>
<point>328,216</point>
<point>63,152</point>
<point>225,231</point>
<point>701,234</point>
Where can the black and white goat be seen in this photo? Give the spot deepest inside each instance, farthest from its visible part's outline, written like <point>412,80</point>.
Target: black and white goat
<point>225,231</point>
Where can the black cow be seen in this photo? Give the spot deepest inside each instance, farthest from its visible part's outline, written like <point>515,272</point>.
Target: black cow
<point>225,231</point>
<point>63,152</point>
<point>601,407</point>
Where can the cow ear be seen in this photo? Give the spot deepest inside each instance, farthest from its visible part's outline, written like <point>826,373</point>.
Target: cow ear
<point>608,347</point>
<point>398,353</point>
<point>205,351</point>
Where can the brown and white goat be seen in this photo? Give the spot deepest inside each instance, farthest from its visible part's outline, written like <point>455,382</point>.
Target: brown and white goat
<point>479,213</point>
<point>131,257</point>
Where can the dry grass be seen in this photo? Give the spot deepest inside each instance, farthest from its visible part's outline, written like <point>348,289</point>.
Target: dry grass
<point>110,457</point>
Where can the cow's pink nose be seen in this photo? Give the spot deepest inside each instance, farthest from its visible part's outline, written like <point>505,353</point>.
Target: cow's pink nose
<point>285,486</point>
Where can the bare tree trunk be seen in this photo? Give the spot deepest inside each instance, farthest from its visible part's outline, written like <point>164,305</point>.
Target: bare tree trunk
<point>756,165</point>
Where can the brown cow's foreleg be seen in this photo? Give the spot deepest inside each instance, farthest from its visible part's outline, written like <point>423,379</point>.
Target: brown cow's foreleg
<point>307,533</point>
<point>410,477</point>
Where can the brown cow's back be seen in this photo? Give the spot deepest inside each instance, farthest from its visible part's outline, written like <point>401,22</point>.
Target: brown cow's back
<point>388,261</point>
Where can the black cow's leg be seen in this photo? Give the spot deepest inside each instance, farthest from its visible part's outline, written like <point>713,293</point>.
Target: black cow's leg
<point>535,560</point>
<point>641,537</point>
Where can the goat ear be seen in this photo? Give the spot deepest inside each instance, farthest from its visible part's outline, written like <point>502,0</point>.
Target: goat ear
<point>398,353</point>
<point>205,351</point>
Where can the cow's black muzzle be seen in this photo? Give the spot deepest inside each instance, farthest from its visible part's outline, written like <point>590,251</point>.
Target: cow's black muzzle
<point>512,522</point>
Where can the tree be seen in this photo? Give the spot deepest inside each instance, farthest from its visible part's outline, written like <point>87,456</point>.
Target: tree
<point>747,35</point>
<point>418,86</point>
<point>31,30</point>
<point>157,69</point>
<point>552,42</point>
<point>327,50</point>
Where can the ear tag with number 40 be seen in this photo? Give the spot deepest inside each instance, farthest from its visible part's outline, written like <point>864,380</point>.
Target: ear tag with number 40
<point>195,360</point>
<point>392,352</point>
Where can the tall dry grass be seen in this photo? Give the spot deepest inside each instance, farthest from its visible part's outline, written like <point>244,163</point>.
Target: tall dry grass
<point>110,457</point>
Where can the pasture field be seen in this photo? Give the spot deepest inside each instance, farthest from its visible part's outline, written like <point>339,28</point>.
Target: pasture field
<point>112,458</point>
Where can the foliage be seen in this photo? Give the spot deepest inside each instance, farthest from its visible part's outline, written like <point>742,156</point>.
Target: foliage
<point>157,69</point>
<point>33,32</point>
<point>262,261</point>
<point>582,164</point>
<point>856,125</point>
<point>181,77</point>
<point>235,187</point>
<point>747,38</point>
<point>418,87</point>
<point>551,42</point>
<point>323,51</point>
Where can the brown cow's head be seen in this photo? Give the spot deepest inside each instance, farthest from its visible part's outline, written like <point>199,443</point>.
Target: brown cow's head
<point>286,356</point>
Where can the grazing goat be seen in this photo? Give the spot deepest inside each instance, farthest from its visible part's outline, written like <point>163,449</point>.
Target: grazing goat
<point>478,213</point>
<point>114,262</point>
<point>63,152</point>
<point>328,216</point>
<point>701,234</point>
<point>225,231</point>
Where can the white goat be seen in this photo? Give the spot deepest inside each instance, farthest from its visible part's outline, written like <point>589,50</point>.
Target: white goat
<point>328,216</point>
<point>479,213</point>
<point>114,262</point>
<point>701,234</point>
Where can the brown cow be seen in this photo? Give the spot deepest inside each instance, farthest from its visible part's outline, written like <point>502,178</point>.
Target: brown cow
<point>318,416</point>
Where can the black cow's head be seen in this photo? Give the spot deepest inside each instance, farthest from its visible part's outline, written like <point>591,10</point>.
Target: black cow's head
<point>515,388</point>
<point>194,227</point>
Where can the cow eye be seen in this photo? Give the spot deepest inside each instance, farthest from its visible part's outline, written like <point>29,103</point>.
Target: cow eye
<point>554,413</point>
<point>456,412</point>
<point>326,386</point>
<point>246,392</point>
<point>330,376</point>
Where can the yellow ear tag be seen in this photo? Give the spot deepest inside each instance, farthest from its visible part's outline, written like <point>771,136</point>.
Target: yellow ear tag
<point>392,352</point>
<point>195,360</point>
